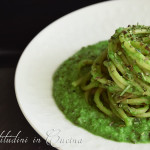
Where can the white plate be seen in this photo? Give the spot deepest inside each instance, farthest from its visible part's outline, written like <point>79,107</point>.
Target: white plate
<point>58,41</point>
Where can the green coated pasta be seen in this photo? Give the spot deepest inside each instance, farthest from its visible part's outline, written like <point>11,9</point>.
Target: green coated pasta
<point>120,76</point>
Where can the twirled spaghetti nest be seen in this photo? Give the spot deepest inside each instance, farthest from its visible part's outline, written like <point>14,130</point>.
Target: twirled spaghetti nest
<point>120,76</point>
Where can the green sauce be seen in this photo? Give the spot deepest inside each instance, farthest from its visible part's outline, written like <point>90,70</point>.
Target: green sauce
<point>72,103</point>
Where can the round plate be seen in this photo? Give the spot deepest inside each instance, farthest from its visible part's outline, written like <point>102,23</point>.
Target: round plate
<point>54,44</point>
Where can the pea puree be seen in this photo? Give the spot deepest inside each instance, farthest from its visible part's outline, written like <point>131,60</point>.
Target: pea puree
<point>71,101</point>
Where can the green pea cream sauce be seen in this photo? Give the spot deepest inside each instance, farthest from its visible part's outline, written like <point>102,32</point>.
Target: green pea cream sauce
<point>71,102</point>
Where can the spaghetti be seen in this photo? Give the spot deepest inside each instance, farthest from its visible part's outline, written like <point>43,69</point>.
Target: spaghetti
<point>119,79</point>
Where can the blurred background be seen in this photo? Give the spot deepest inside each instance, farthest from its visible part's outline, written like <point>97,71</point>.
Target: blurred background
<point>20,21</point>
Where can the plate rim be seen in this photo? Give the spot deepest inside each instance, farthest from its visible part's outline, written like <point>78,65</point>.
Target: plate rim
<point>38,34</point>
